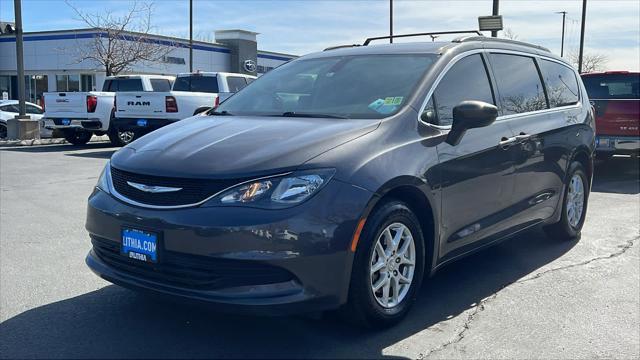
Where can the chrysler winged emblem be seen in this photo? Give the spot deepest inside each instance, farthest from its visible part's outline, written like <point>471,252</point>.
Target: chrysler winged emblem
<point>152,188</point>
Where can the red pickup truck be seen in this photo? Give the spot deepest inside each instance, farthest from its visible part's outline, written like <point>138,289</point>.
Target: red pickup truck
<point>616,99</point>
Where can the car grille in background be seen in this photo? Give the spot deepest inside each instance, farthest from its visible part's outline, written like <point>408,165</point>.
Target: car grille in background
<point>192,190</point>
<point>191,271</point>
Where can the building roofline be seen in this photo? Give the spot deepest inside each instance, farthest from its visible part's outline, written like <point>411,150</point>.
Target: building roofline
<point>161,37</point>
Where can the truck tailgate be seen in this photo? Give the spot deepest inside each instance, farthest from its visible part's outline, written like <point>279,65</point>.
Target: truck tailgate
<point>70,104</point>
<point>617,117</point>
<point>147,105</point>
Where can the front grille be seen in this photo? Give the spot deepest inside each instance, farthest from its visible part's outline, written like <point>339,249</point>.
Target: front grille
<point>191,271</point>
<point>192,190</point>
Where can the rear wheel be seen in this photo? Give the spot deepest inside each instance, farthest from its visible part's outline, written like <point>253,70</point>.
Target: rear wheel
<point>3,131</point>
<point>78,137</point>
<point>388,267</point>
<point>119,137</point>
<point>574,205</point>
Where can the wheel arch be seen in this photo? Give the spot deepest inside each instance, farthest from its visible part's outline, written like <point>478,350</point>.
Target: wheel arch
<point>416,194</point>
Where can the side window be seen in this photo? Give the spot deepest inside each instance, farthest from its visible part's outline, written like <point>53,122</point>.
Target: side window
<point>466,80</point>
<point>519,84</point>
<point>160,85</point>
<point>107,86</point>
<point>236,83</point>
<point>33,110</point>
<point>561,83</point>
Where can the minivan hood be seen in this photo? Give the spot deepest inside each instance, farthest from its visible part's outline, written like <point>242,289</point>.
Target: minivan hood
<point>235,146</point>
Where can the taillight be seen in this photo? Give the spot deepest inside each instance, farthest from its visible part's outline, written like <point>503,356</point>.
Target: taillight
<point>216,102</point>
<point>42,103</point>
<point>170,104</point>
<point>92,102</point>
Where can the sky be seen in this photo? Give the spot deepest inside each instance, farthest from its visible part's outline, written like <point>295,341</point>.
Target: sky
<point>303,26</point>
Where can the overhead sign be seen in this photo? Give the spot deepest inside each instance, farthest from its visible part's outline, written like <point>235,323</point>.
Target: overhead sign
<point>490,23</point>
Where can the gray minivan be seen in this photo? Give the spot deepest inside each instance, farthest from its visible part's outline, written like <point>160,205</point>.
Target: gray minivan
<point>342,178</point>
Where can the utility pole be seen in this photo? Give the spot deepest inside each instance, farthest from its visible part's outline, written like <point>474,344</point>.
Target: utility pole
<point>391,21</point>
<point>584,16</point>
<point>17,6</point>
<point>190,35</point>
<point>496,11</point>
<point>564,15</point>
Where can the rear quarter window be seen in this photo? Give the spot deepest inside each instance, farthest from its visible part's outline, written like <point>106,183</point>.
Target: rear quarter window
<point>519,84</point>
<point>236,83</point>
<point>160,85</point>
<point>561,83</point>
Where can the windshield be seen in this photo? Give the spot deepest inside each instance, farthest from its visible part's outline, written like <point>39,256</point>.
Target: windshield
<point>361,86</point>
<point>612,86</point>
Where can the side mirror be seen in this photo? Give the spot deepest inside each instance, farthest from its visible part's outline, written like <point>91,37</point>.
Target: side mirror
<point>470,114</point>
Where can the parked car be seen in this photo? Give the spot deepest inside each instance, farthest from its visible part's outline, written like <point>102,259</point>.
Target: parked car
<point>615,96</point>
<point>80,115</point>
<point>192,94</point>
<point>9,110</point>
<point>386,162</point>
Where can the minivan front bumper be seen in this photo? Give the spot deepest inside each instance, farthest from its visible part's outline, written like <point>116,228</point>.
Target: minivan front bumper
<point>299,256</point>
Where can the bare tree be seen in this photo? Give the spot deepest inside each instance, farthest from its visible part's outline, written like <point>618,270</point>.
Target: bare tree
<point>508,33</point>
<point>122,40</point>
<point>590,61</point>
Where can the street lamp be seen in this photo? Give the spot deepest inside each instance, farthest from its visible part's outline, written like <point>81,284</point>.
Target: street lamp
<point>564,15</point>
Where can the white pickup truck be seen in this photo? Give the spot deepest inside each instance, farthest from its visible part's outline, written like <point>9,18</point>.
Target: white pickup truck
<point>80,115</point>
<point>191,94</point>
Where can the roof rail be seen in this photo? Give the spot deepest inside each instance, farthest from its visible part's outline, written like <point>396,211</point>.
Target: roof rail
<point>492,39</point>
<point>368,40</point>
<point>340,47</point>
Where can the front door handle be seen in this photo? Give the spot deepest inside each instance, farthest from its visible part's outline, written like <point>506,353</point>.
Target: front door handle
<point>522,137</point>
<point>506,142</point>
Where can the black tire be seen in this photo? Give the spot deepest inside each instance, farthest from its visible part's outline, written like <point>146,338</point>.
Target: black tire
<point>78,137</point>
<point>120,138</point>
<point>563,229</point>
<point>362,308</point>
<point>3,131</point>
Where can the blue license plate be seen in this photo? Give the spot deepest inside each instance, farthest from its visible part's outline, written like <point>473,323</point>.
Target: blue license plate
<point>142,122</point>
<point>139,245</point>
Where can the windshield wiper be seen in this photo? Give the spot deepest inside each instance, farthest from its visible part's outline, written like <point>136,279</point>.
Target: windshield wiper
<point>219,113</point>
<point>311,115</point>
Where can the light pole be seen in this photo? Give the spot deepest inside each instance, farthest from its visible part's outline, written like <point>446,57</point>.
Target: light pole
<point>17,7</point>
<point>564,15</point>
<point>496,11</point>
<point>584,16</point>
<point>391,21</point>
<point>190,35</point>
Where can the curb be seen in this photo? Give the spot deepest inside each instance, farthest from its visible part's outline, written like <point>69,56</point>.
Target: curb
<point>53,141</point>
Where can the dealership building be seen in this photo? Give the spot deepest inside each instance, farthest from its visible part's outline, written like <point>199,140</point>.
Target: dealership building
<point>51,59</point>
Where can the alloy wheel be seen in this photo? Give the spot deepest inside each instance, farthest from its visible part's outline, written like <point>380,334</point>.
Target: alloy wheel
<point>575,200</point>
<point>392,265</point>
<point>126,136</point>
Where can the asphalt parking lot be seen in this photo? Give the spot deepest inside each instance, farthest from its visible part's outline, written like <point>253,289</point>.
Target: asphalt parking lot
<point>530,297</point>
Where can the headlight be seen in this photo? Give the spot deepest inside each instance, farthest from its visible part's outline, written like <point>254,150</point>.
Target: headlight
<point>105,178</point>
<point>275,192</point>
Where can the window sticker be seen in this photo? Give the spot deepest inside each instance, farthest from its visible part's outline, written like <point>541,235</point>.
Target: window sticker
<point>386,105</point>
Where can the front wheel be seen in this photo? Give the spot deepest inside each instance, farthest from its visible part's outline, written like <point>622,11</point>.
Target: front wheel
<point>574,205</point>
<point>78,137</point>
<point>388,267</point>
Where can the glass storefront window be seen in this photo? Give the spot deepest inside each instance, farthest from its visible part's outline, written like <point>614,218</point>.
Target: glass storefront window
<point>67,82</point>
